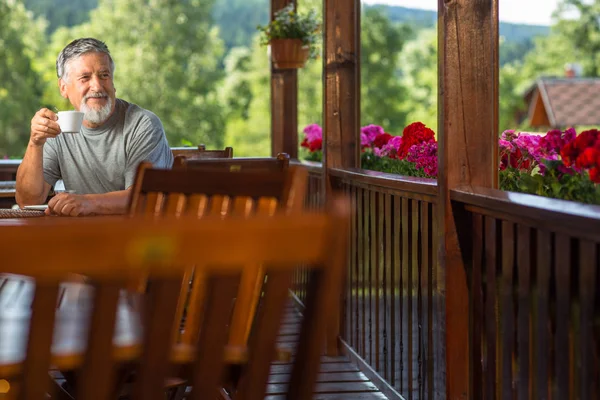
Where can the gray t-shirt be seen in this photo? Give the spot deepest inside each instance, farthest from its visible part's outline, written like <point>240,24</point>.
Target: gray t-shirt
<point>105,159</point>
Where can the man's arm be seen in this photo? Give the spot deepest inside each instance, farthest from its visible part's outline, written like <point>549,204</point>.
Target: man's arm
<point>31,186</point>
<point>75,205</point>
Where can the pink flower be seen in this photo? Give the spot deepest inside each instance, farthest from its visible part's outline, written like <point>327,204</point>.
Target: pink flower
<point>390,149</point>
<point>364,140</point>
<point>313,138</point>
<point>424,155</point>
<point>313,132</point>
<point>371,132</point>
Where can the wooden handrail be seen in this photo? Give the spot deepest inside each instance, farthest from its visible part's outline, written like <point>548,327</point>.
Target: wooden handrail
<point>576,219</point>
<point>389,181</point>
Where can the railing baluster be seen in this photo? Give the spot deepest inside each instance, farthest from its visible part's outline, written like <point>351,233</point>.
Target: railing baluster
<point>524,309</point>
<point>397,296</point>
<point>373,306</point>
<point>507,313</point>
<point>563,285</point>
<point>425,302</point>
<point>352,271</point>
<point>542,359</point>
<point>417,359</point>
<point>406,313</point>
<point>387,282</point>
<point>364,271</point>
<point>476,307</point>
<point>491,304</point>
<point>588,261</point>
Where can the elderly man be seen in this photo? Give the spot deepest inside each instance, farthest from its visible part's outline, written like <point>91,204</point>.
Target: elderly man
<point>98,164</point>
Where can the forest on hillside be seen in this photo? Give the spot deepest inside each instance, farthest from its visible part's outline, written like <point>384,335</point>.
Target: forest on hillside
<point>198,64</point>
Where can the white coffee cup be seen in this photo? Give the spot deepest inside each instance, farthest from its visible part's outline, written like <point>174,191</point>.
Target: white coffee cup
<point>70,121</point>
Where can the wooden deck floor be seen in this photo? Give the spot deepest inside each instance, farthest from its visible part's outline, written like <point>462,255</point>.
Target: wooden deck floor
<point>339,379</point>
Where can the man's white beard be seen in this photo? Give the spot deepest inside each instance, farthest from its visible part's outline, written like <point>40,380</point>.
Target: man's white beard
<point>96,116</point>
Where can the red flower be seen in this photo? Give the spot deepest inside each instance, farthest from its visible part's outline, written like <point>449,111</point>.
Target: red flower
<point>305,143</point>
<point>586,139</point>
<point>575,149</point>
<point>381,139</point>
<point>595,174</point>
<point>414,133</point>
<point>515,160</point>
<point>315,145</point>
<point>588,158</point>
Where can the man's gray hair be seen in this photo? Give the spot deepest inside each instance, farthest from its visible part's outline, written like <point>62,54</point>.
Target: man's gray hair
<point>77,48</point>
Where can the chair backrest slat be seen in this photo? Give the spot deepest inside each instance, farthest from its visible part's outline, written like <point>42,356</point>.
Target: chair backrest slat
<point>256,164</point>
<point>93,383</point>
<point>200,152</point>
<point>208,374</point>
<point>262,343</point>
<point>159,317</point>
<point>35,371</point>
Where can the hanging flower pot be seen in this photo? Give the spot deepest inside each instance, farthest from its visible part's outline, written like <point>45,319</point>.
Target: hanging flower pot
<point>289,53</point>
<point>291,37</point>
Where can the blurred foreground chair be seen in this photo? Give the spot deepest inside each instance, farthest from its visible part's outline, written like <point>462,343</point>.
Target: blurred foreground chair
<point>110,252</point>
<point>208,191</point>
<point>201,153</point>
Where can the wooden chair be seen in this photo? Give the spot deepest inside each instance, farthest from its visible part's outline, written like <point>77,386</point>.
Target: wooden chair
<point>280,162</point>
<point>214,191</point>
<point>200,153</point>
<point>110,252</point>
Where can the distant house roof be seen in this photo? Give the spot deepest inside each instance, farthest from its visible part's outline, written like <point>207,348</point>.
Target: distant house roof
<point>564,102</point>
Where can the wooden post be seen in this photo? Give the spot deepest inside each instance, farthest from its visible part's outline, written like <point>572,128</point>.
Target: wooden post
<point>341,86</point>
<point>341,105</point>
<point>468,148</point>
<point>284,102</point>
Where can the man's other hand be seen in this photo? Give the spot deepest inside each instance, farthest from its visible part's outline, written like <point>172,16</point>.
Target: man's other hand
<point>69,204</point>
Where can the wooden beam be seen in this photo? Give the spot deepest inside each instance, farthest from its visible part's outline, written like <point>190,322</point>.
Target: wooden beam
<point>341,104</point>
<point>284,102</point>
<point>468,152</point>
<point>341,86</point>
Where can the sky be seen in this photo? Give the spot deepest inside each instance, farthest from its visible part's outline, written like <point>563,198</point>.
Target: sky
<point>537,12</point>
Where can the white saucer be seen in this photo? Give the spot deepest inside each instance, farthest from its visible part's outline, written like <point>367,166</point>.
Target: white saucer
<point>41,207</point>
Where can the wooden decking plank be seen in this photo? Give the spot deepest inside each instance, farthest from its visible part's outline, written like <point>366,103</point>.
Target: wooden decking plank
<point>331,367</point>
<point>338,396</point>
<point>287,339</point>
<point>328,387</point>
<point>290,329</point>
<point>326,377</point>
<point>339,378</point>
<point>324,359</point>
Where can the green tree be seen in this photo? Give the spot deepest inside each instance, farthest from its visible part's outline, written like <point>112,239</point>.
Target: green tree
<point>61,12</point>
<point>237,20</point>
<point>382,93</point>
<point>247,90</point>
<point>582,32</point>
<point>420,79</point>
<point>248,126</point>
<point>20,85</point>
<point>166,59</point>
<point>547,58</point>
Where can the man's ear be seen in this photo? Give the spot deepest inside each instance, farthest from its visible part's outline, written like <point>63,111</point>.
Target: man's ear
<point>62,86</point>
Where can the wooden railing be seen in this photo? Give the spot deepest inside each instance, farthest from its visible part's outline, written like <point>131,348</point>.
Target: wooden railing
<point>8,169</point>
<point>314,197</point>
<point>392,318</point>
<point>533,267</point>
<point>393,315</point>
